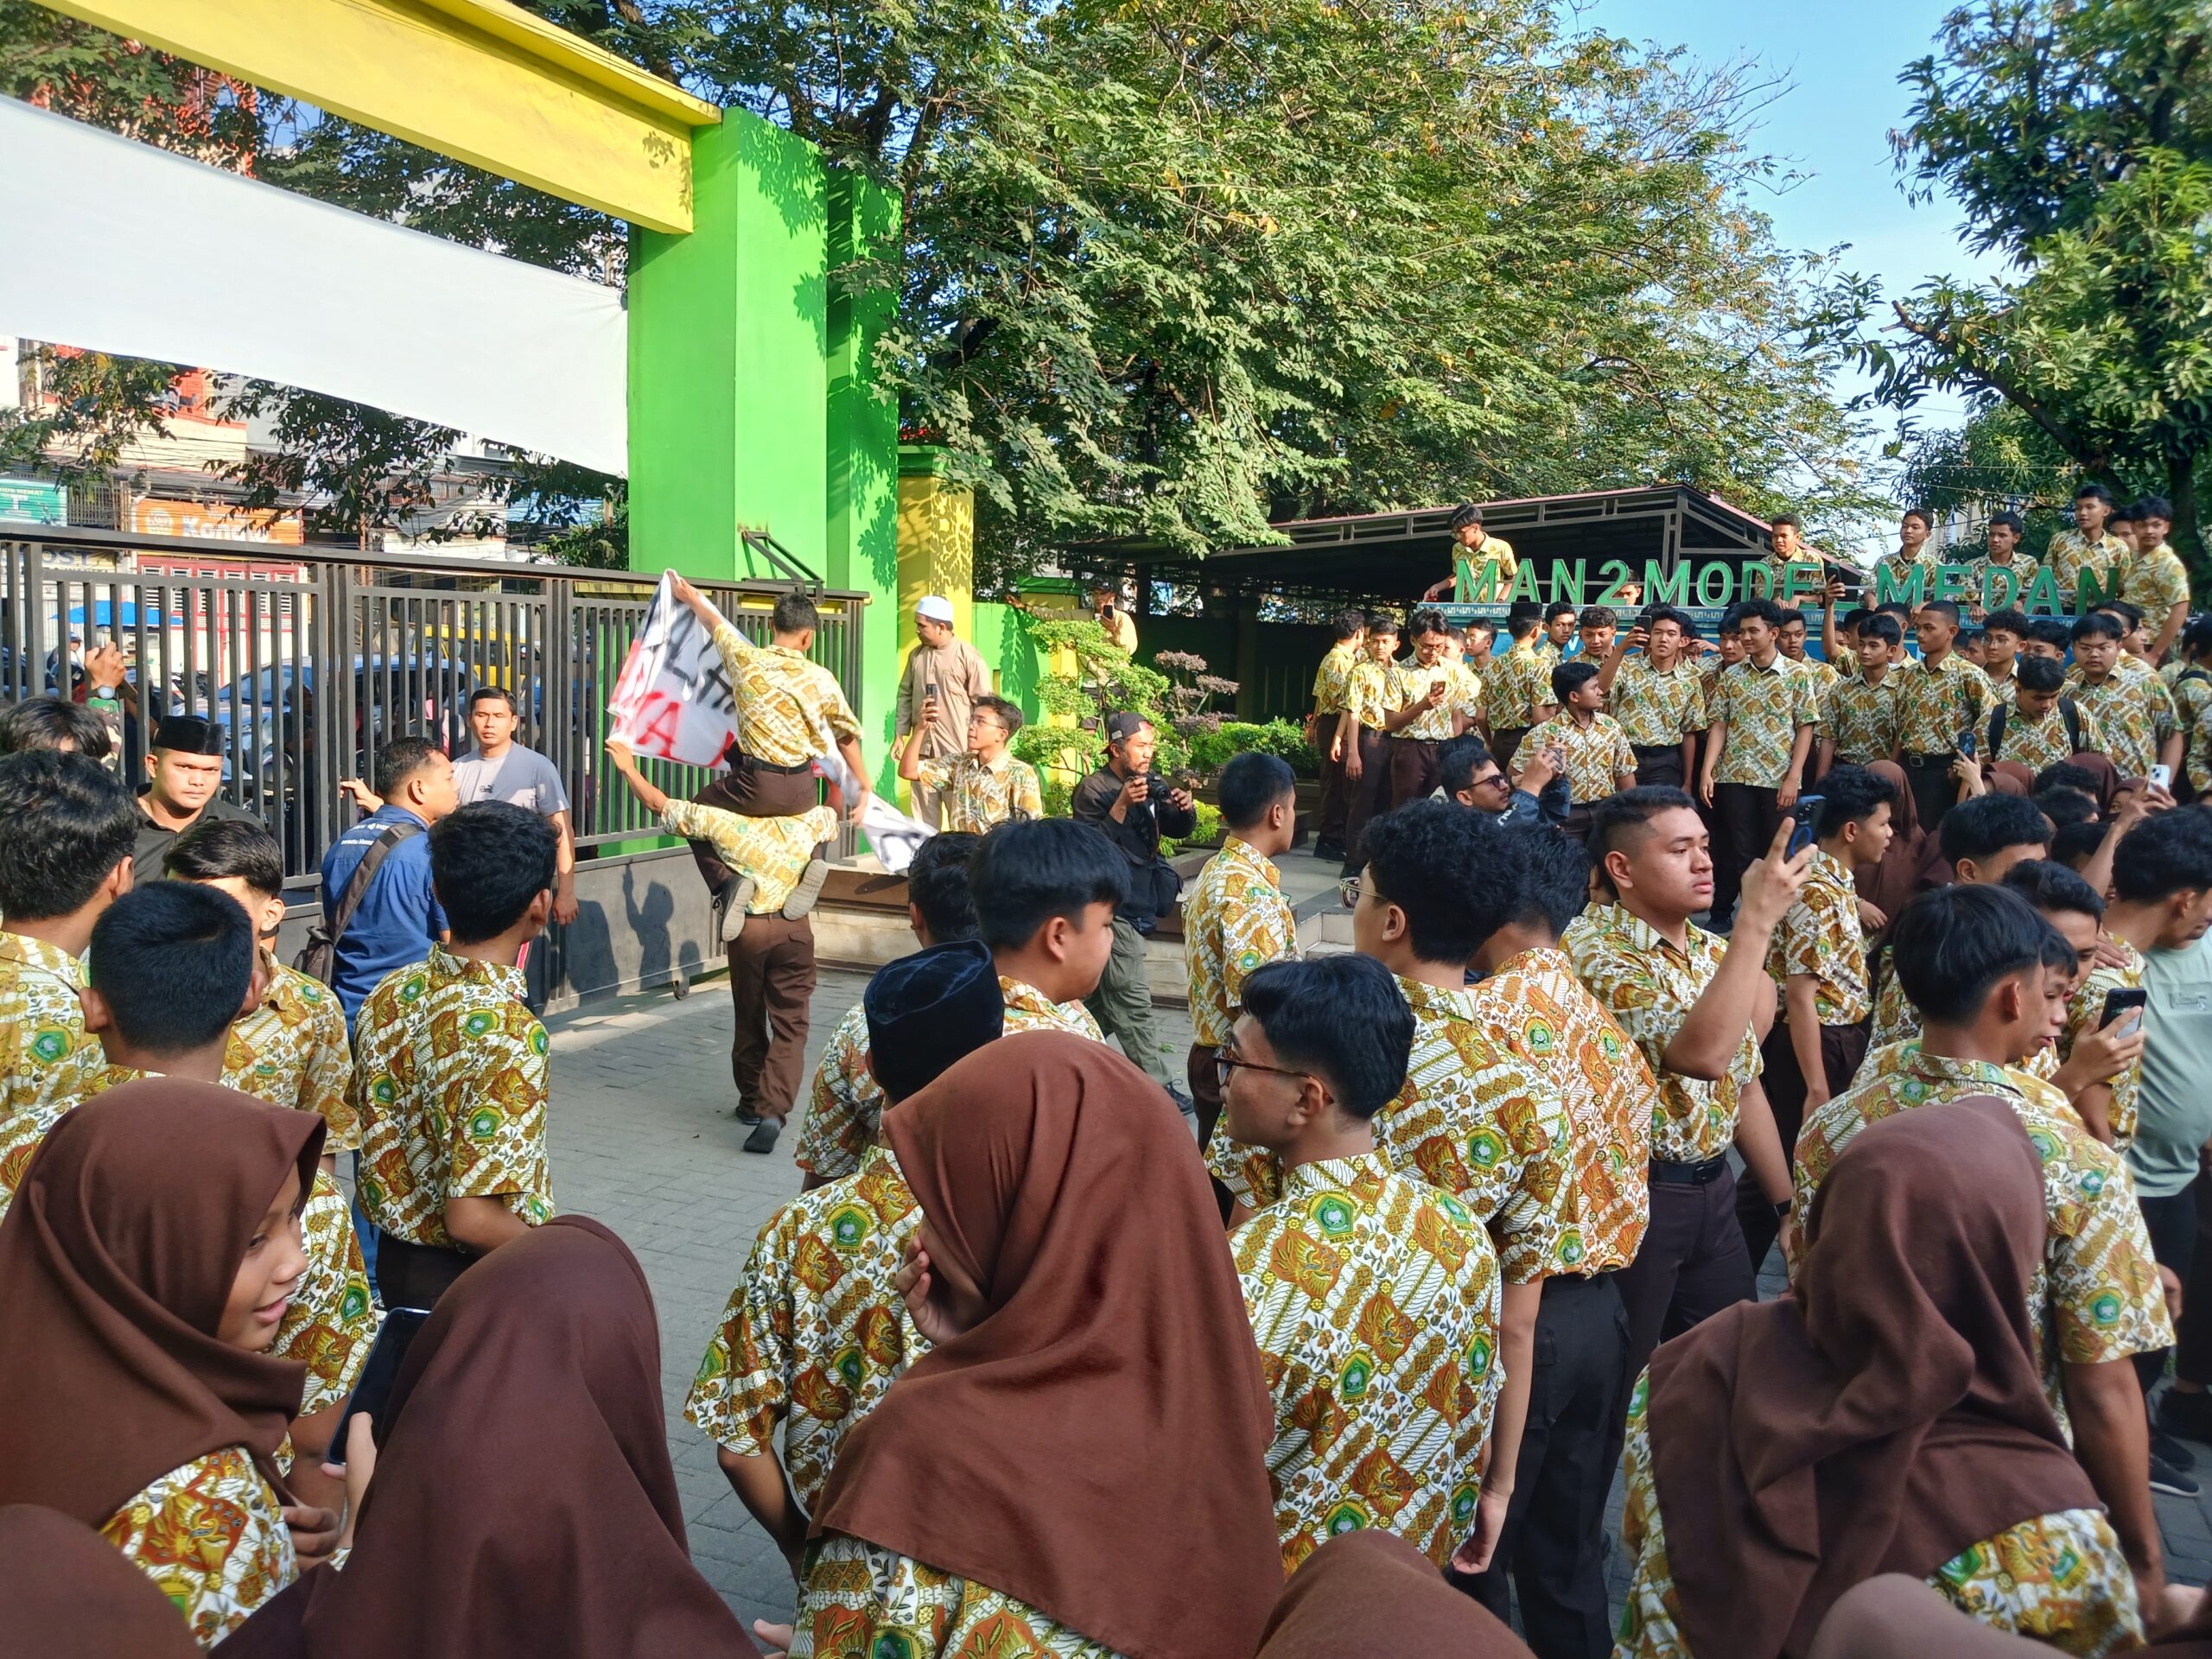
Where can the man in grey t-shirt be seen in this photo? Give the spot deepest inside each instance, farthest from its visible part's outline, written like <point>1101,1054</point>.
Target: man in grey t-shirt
<point>2174,1125</point>
<point>499,769</point>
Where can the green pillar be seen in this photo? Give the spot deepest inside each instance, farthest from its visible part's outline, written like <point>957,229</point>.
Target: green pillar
<point>728,361</point>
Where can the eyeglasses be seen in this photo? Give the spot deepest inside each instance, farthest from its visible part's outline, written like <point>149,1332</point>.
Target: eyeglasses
<point>1225,1063</point>
<point>1489,779</point>
<point>1348,892</point>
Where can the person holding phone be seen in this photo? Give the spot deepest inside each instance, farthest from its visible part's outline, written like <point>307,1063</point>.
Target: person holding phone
<point>944,667</point>
<point>1110,613</point>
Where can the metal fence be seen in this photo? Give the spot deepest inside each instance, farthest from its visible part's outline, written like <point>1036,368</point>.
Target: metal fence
<point>311,660</point>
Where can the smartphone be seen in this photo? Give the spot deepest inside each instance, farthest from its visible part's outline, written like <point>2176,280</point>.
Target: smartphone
<point>1806,818</point>
<point>1966,744</point>
<point>930,690</point>
<point>2125,1005</point>
<point>2162,775</point>
<point>372,1392</point>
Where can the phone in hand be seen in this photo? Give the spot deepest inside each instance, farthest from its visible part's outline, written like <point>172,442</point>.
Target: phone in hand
<point>1968,745</point>
<point>930,689</point>
<point>373,1390</point>
<point>2162,775</point>
<point>2124,1005</point>
<point>1805,820</point>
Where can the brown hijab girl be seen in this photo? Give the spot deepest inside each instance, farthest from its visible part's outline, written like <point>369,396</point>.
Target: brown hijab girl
<point>145,1265</point>
<point>1079,1465</point>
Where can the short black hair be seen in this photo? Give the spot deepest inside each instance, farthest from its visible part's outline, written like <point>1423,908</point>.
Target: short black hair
<point>1463,515</point>
<point>70,822</point>
<point>1459,760</point>
<point>1522,626</point>
<point>2011,621</point>
<point>218,849</point>
<point>1854,618</point>
<point>1418,857</point>
<point>2041,674</point>
<point>2048,885</point>
<point>2166,853</point>
<point>1349,623</point>
<point>1659,613</point>
<point>2064,774</point>
<point>1981,828</point>
<point>1849,795</point>
<point>2012,520</point>
<point>2050,631</point>
<point>2154,506</point>
<point>2094,489</point>
<point>937,885</point>
<point>1788,518</point>
<point>1880,626</point>
<point>2196,636</point>
<point>1341,1016</point>
<point>49,722</point>
<point>1428,620</point>
<point>2065,806</point>
<point>1382,622</point>
<point>795,613</point>
<point>1009,715</point>
<point>493,694</point>
<point>1952,946</point>
<point>1920,513</point>
<point>400,759</point>
<point>1249,784</point>
<point>1527,873</point>
<point>1764,609</point>
<point>1942,607</point>
<point>2097,625</point>
<point>1598,616</point>
<point>1615,821</point>
<point>488,860</point>
<point>2123,512</point>
<point>1791,614</point>
<point>2129,612</point>
<point>2076,843</point>
<point>1570,678</point>
<point>1024,875</point>
<point>173,963</point>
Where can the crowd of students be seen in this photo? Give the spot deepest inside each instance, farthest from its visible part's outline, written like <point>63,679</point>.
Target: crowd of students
<point>1339,1352</point>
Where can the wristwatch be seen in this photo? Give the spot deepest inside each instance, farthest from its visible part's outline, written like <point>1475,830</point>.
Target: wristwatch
<point>1782,1210</point>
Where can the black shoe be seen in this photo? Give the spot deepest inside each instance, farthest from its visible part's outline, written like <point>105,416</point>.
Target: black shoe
<point>763,1139</point>
<point>2169,1451</point>
<point>1326,851</point>
<point>2186,1414</point>
<point>2174,1483</point>
<point>744,1114</point>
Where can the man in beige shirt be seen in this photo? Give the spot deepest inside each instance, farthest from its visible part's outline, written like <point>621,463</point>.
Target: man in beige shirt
<point>947,667</point>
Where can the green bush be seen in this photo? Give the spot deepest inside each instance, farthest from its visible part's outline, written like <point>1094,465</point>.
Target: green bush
<point>1207,834</point>
<point>1211,751</point>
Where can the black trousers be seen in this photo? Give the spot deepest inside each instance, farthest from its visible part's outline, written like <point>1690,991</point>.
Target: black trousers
<point>1841,1049</point>
<point>1503,740</point>
<point>1335,788</point>
<point>416,1276</point>
<point>1413,769</point>
<point>1935,791</point>
<point>1658,764</point>
<point>1744,818</point>
<point>2172,1223</point>
<point>1552,1545</point>
<point>1369,795</point>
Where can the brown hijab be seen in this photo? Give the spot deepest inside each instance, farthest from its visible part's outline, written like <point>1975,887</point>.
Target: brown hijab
<point>1889,887</point>
<point>70,1594</point>
<point>116,1262</point>
<point>1886,1415</point>
<point>524,1501</point>
<point>1371,1595</point>
<point>1095,1446</point>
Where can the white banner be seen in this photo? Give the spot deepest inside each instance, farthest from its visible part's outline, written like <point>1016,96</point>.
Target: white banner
<point>124,248</point>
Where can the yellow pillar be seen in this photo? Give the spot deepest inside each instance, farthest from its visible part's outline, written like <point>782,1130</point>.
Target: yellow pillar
<point>937,539</point>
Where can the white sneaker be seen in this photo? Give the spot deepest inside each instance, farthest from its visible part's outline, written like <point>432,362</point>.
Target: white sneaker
<point>809,890</point>
<point>730,905</point>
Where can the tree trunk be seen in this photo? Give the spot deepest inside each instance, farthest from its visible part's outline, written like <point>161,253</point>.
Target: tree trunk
<point>2187,536</point>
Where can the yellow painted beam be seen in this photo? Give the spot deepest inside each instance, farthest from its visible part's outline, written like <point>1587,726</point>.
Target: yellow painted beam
<point>479,80</point>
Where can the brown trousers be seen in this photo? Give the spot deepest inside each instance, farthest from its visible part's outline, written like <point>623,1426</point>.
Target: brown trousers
<point>1369,792</point>
<point>771,981</point>
<point>1335,788</point>
<point>1204,1079</point>
<point>750,791</point>
<point>1413,769</point>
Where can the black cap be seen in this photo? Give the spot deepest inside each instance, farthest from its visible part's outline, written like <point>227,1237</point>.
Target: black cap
<point>1126,724</point>
<point>189,734</point>
<point>927,1011</point>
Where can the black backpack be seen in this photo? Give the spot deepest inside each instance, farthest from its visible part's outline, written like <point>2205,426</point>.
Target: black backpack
<point>319,959</point>
<point>2067,711</point>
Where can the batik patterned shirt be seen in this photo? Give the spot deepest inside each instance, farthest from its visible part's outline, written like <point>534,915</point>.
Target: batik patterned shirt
<point>2136,713</point>
<point>844,1113</point>
<point>1901,570</point>
<point>1650,986</point>
<point>2095,1295</point>
<point>2037,743</point>
<point>1374,692</point>
<point>861,1601</point>
<point>1654,706</point>
<point>2059,1578</point>
<point>212,1537</point>
<point>1896,1019</point>
<point>774,852</point>
<point>1596,753</point>
<point>1937,703</point>
<point>53,1062</point>
<point>2022,568</point>
<point>2084,1011</point>
<point>1860,717</point>
<point>1764,708</point>
<point>1028,1008</point>
<point>789,709</point>
<point>1332,680</point>
<point>1375,1302</point>
<point>985,792</point>
<point>2191,691</point>
<point>451,1084</point>
<point>331,1322</point>
<point>1467,564</point>
<point>1534,1007</point>
<point>817,1332</point>
<point>2069,555</point>
<point>1463,694</point>
<point>2156,582</point>
<point>292,1051</point>
<point>1235,922</point>
<point>1512,689</point>
<point>1826,676</point>
<point>1819,937</point>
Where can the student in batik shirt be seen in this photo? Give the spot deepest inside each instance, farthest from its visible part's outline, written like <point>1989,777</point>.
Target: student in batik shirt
<point>1512,687</point>
<point>1332,691</point>
<point>1600,761</point>
<point>1991,977</point>
<point>1236,920</point>
<point>2188,680</point>
<point>1911,566</point>
<point>817,1331</point>
<point>451,1078</point>
<point>1887,1417</point>
<point>1858,715</point>
<point>146,1270</point>
<point>1044,896</point>
<point>2001,636</point>
<point>2088,549</point>
<point>1766,711</point>
<point>1652,688</point>
<point>1441,700</point>
<point>2039,725</point>
<point>1818,960</point>
<point>1824,675</point>
<point>1062,1215</point>
<point>1374,1298</point>
<point>2001,577</point>
<point>2096,1058</point>
<point>1940,698</point>
<point>1374,692</point>
<point>844,1113</point>
<point>1527,884</point>
<point>65,856</point>
<point>171,964</point>
<point>2134,709</point>
<point>986,785</point>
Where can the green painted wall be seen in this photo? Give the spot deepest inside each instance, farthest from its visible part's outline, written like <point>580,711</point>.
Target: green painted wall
<point>1004,644</point>
<point>728,366</point>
